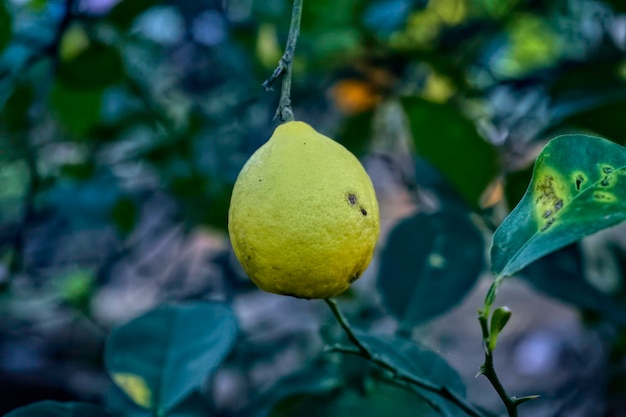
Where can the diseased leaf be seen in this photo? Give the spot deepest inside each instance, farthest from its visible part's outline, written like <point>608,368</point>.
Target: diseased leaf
<point>578,188</point>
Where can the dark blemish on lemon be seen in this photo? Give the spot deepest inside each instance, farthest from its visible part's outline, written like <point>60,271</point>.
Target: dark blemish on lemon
<point>363,211</point>
<point>607,169</point>
<point>352,198</point>
<point>353,278</point>
<point>579,181</point>
<point>547,225</point>
<point>260,180</point>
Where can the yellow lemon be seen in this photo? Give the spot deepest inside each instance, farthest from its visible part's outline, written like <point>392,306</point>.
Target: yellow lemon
<point>303,217</point>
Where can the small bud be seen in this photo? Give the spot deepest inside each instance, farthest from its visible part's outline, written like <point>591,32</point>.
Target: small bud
<point>499,319</point>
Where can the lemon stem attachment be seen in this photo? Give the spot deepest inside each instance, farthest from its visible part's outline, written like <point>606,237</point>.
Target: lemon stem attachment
<point>343,322</point>
<point>284,111</point>
<point>398,374</point>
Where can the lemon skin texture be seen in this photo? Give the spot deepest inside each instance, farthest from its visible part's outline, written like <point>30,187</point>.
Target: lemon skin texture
<point>303,218</point>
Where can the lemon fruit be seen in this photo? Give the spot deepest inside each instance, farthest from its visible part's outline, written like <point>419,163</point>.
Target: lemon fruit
<point>303,217</point>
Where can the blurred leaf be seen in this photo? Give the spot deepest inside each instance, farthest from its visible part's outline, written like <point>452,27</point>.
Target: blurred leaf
<point>84,204</point>
<point>78,171</point>
<point>430,262</point>
<point>59,409</point>
<point>126,11</point>
<point>15,179</point>
<point>516,184</point>
<point>356,132</point>
<point>96,67</point>
<point>560,275</point>
<point>307,383</point>
<point>16,108</point>
<point>74,42</point>
<point>317,18</point>
<point>431,178</point>
<point>449,141</point>
<point>159,358</point>
<point>6,25</point>
<point>125,214</point>
<point>331,34</point>
<point>76,288</point>
<point>604,119</point>
<point>617,5</point>
<point>578,188</point>
<point>118,404</point>
<point>532,44</point>
<point>598,75</point>
<point>76,110</point>
<point>380,399</point>
<point>413,360</point>
<point>204,202</point>
<point>384,17</point>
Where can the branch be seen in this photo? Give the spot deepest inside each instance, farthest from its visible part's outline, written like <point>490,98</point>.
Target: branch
<point>284,111</point>
<point>398,374</point>
<point>487,369</point>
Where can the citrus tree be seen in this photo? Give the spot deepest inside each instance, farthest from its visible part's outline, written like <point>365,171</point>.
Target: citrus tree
<point>487,115</point>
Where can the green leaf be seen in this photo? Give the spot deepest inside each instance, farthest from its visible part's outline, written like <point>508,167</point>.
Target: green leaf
<point>58,409</point>
<point>96,67</point>
<point>381,399</point>
<point>125,214</point>
<point>78,171</point>
<point>430,262</point>
<point>6,25</point>
<point>449,141</point>
<point>159,358</point>
<point>499,319</point>
<point>78,111</point>
<point>15,110</point>
<point>356,132</point>
<point>604,119</point>
<point>125,12</point>
<point>413,360</point>
<point>578,188</point>
<point>311,382</point>
<point>118,404</point>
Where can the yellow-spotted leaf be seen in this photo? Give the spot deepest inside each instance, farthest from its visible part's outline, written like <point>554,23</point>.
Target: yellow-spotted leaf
<point>159,359</point>
<point>578,188</point>
<point>135,387</point>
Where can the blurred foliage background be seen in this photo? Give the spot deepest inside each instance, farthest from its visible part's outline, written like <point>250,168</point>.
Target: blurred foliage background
<point>123,125</point>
